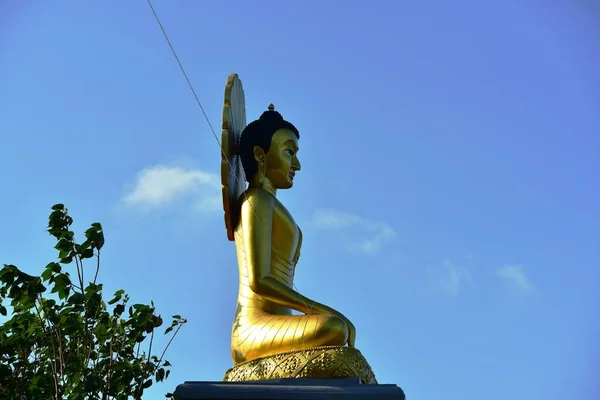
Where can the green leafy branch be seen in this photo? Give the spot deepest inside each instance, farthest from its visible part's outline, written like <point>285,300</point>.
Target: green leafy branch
<point>69,343</point>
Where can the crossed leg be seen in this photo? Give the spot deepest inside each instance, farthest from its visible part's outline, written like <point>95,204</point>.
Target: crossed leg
<point>270,334</point>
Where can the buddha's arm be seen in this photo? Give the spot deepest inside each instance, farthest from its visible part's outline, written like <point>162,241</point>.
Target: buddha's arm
<point>351,328</point>
<point>257,221</point>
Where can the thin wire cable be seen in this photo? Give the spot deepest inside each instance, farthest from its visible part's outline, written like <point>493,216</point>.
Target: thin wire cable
<point>183,72</point>
<point>164,32</point>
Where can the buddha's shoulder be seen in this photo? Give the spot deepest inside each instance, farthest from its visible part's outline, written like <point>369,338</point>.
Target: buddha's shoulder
<point>259,199</point>
<point>257,196</point>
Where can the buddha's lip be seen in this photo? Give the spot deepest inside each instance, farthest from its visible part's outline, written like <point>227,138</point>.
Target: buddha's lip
<point>292,174</point>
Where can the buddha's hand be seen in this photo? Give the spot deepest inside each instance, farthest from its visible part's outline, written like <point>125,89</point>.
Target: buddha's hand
<point>351,333</point>
<point>323,309</point>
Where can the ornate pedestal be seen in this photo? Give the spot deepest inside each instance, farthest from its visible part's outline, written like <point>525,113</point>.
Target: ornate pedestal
<point>288,389</point>
<point>328,372</point>
<point>316,362</point>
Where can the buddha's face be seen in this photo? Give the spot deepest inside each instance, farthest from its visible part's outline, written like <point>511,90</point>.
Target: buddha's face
<point>281,161</point>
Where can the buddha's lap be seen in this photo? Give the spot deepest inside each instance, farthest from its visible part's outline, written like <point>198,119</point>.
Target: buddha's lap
<point>285,331</point>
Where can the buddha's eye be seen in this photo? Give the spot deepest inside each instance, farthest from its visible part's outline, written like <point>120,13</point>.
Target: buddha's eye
<point>290,151</point>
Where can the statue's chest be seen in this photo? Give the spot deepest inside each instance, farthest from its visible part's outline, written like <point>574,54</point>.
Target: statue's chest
<point>285,240</point>
<point>285,233</point>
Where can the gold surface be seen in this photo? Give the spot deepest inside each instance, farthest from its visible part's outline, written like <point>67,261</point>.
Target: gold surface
<point>319,362</point>
<point>268,243</point>
<point>232,175</point>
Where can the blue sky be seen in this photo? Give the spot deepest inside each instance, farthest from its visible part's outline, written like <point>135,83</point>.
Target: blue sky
<point>448,197</point>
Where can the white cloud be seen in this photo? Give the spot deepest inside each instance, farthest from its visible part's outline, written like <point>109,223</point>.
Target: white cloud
<point>515,276</point>
<point>451,279</point>
<point>378,233</point>
<point>330,219</point>
<point>161,185</point>
<point>210,203</point>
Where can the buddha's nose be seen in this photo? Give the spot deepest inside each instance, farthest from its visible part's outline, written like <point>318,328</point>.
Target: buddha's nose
<point>296,164</point>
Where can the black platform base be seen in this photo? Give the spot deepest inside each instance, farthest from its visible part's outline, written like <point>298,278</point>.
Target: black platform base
<point>288,389</point>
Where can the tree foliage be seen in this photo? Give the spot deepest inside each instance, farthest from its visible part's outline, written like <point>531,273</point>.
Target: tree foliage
<point>63,341</point>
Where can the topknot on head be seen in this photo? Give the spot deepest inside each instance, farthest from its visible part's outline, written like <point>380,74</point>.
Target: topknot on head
<point>271,114</point>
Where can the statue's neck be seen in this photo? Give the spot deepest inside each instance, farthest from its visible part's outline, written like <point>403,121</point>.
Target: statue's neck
<point>266,185</point>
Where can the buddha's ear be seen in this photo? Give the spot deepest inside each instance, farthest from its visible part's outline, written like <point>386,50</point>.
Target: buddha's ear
<point>259,154</point>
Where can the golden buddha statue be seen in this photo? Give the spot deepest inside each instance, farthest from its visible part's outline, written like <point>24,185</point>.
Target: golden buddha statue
<point>267,340</point>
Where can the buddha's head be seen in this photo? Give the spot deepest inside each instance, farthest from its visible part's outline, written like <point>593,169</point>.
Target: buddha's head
<point>268,149</point>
